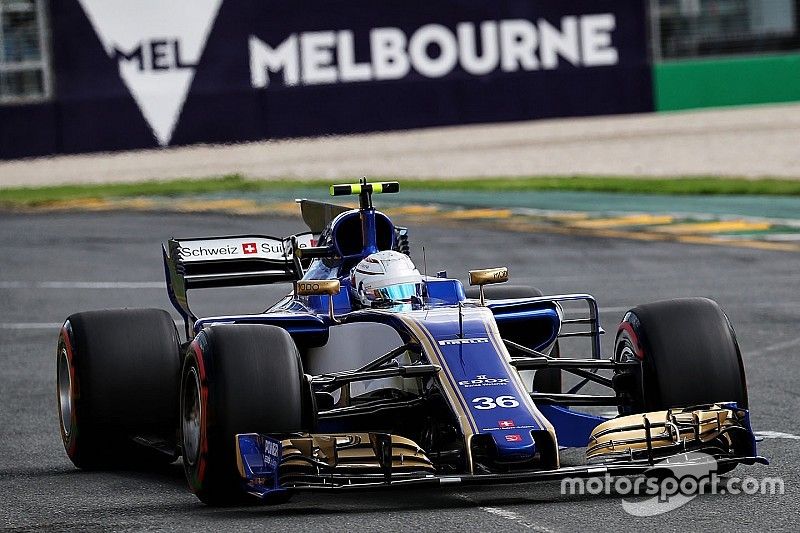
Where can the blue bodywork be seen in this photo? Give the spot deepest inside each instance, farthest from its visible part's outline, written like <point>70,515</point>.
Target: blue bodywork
<point>484,390</point>
<point>260,464</point>
<point>461,338</point>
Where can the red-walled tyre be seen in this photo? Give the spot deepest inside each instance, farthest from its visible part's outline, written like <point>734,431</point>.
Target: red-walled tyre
<point>237,379</point>
<point>687,354</point>
<point>117,385</point>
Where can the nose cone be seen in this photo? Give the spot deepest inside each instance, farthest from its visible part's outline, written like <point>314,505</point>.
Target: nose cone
<point>514,444</point>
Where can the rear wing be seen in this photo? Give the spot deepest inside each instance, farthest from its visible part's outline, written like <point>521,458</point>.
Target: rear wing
<point>229,261</point>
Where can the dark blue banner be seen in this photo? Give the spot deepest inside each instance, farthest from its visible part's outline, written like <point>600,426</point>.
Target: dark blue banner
<point>152,73</point>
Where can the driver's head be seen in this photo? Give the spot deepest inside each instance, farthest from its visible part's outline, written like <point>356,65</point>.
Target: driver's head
<point>385,278</point>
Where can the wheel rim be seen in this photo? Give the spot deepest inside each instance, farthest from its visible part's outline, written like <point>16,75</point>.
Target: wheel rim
<point>191,415</point>
<point>626,354</point>
<point>65,392</point>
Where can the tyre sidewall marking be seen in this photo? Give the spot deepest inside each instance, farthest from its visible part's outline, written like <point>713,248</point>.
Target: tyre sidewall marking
<point>197,473</point>
<point>626,329</point>
<point>71,441</point>
<point>628,336</point>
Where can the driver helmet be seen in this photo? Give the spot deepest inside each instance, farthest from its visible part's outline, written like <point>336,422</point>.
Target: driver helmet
<point>385,278</point>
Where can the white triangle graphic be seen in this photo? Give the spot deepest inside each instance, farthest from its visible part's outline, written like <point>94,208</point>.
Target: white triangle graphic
<point>163,26</point>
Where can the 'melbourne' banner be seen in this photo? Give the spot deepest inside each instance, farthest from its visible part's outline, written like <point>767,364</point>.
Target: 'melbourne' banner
<point>170,72</point>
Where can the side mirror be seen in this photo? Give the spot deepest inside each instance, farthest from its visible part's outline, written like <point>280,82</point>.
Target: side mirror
<point>319,287</point>
<point>487,276</point>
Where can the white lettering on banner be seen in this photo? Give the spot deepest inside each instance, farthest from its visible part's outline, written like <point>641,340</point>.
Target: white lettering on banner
<point>317,55</point>
<point>433,35</point>
<point>156,46</point>
<point>562,43</point>
<point>468,48</point>
<point>264,59</point>
<point>349,70</point>
<point>518,45</point>
<point>596,40</point>
<point>434,51</point>
<point>388,53</point>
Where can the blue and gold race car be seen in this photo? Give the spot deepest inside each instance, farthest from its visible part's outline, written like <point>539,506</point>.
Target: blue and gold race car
<point>370,374</point>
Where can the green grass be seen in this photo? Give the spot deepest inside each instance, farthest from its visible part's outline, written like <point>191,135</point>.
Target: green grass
<point>617,184</point>
<point>30,196</point>
<point>43,195</point>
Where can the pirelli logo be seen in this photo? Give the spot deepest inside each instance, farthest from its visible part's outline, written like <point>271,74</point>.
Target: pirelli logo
<point>451,342</point>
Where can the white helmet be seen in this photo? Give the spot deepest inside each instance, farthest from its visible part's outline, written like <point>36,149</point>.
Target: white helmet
<point>384,278</point>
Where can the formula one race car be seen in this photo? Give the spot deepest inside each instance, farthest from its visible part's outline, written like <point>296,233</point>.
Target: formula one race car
<point>370,374</point>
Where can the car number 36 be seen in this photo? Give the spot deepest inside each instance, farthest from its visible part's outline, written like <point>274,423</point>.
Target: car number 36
<point>485,402</point>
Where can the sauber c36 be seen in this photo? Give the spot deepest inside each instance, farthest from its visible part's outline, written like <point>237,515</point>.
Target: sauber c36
<point>449,386</point>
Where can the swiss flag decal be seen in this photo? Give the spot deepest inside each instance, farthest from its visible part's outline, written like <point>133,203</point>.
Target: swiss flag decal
<point>505,424</point>
<point>249,247</point>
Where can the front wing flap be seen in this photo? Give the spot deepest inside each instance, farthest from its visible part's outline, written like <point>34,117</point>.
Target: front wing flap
<point>720,429</point>
<point>369,461</point>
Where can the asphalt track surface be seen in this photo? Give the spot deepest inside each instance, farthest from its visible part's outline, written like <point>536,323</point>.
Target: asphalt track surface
<point>53,265</point>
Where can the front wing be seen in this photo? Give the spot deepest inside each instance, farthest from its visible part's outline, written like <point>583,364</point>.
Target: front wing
<point>269,466</point>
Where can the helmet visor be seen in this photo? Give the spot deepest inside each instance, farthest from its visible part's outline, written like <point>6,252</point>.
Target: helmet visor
<point>396,293</point>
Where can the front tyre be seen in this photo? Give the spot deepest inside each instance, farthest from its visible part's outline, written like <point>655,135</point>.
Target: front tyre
<point>687,354</point>
<point>237,379</point>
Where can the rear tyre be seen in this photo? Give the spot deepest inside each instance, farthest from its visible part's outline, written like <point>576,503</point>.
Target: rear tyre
<point>503,292</point>
<point>688,356</point>
<point>237,379</point>
<point>117,380</point>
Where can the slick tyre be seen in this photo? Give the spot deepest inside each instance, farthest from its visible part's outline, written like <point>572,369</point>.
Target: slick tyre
<point>117,387</point>
<point>237,379</point>
<point>687,354</point>
<point>503,292</point>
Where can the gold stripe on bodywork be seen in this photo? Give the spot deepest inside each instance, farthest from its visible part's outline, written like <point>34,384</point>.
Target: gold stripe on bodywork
<point>467,422</point>
<point>451,378</point>
<point>462,409</point>
<point>497,341</point>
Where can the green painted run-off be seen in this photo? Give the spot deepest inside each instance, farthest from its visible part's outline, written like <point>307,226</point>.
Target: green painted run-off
<point>722,82</point>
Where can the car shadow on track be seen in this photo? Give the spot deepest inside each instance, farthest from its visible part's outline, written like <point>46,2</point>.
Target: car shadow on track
<point>382,501</point>
<point>169,481</point>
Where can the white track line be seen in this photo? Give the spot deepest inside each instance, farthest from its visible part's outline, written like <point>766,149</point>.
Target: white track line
<point>508,515</point>
<point>82,285</point>
<point>30,325</point>
<point>781,346</point>
<point>776,435</point>
<point>517,519</point>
